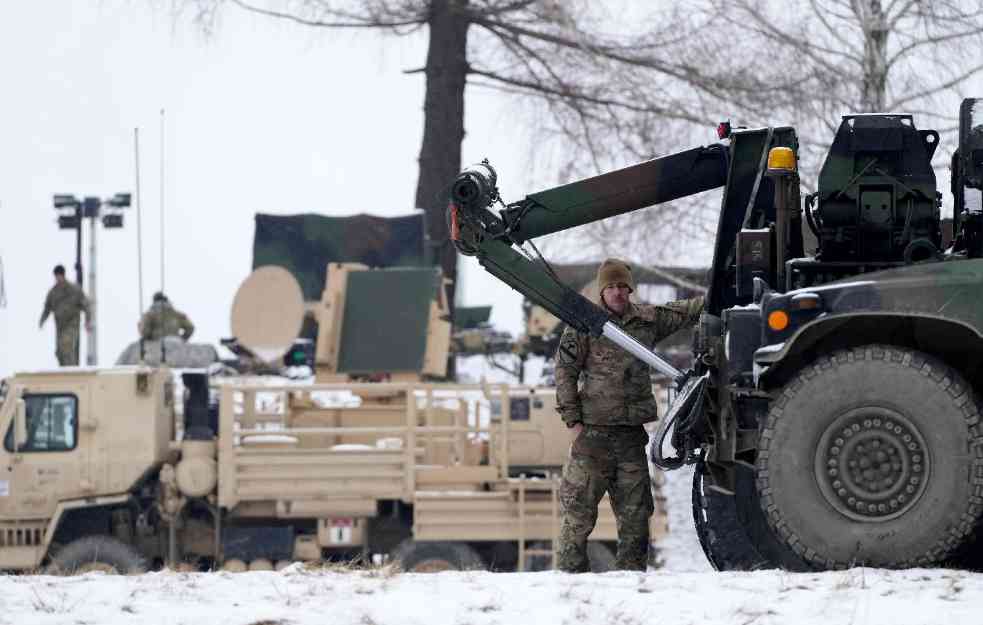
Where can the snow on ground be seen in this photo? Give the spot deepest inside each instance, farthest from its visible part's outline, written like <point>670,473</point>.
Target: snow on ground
<point>297,596</point>
<point>684,592</point>
<point>680,551</point>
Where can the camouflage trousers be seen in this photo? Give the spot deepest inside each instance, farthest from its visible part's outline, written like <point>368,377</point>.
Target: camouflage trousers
<point>67,345</point>
<point>606,460</point>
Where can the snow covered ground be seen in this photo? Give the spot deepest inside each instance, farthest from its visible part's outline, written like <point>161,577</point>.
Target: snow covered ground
<point>297,597</point>
<point>684,592</point>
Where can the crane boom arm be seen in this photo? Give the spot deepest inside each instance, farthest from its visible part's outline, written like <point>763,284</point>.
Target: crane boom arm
<point>479,232</point>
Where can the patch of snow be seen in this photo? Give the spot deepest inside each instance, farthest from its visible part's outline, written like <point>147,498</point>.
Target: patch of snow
<point>266,439</point>
<point>680,550</point>
<point>352,447</point>
<point>298,596</point>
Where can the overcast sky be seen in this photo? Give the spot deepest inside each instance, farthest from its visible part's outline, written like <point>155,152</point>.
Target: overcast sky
<point>263,117</point>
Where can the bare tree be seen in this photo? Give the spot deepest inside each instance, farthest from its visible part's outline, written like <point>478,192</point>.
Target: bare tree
<point>863,56</point>
<point>558,53</point>
<point>768,62</point>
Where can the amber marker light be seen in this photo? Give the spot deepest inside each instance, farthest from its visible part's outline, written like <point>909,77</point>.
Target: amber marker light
<point>778,320</point>
<point>781,159</point>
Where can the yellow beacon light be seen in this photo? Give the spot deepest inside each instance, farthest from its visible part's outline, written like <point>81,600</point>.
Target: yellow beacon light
<point>781,159</point>
<point>778,320</point>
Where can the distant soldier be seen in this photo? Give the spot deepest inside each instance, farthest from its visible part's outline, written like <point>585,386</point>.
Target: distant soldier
<point>164,320</point>
<point>66,300</point>
<point>606,415</point>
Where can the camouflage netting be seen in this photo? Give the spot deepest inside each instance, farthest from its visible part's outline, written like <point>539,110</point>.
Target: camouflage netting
<point>305,244</point>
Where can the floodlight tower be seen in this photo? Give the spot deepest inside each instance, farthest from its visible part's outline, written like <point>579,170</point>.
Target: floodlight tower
<point>71,211</point>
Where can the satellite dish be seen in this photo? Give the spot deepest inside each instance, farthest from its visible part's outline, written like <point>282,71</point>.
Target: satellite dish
<point>268,312</point>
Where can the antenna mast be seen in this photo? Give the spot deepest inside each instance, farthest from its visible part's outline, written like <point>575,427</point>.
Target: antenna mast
<point>136,160</point>
<point>162,200</point>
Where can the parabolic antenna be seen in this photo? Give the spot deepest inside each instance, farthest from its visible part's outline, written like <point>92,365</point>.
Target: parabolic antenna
<point>267,312</point>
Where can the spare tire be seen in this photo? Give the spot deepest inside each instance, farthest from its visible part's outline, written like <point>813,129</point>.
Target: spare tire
<point>869,456</point>
<point>97,553</point>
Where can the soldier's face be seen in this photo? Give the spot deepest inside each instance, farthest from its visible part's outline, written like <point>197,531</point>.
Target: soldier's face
<point>616,297</point>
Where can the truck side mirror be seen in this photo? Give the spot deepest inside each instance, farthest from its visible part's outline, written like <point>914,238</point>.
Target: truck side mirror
<point>20,425</point>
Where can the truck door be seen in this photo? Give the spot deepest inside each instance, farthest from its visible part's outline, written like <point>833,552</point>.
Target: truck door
<point>45,468</point>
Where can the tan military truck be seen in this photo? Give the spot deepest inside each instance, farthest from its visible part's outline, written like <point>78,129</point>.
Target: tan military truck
<point>98,471</point>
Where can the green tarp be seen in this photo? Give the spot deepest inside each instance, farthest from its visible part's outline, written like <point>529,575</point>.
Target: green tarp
<point>469,317</point>
<point>386,318</point>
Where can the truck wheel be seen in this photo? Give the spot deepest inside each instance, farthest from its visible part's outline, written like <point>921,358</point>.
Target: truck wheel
<point>869,456</point>
<point>434,557</point>
<point>720,531</point>
<point>97,553</point>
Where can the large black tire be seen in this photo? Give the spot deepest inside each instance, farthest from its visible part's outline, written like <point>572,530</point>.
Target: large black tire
<point>433,557</point>
<point>722,536</point>
<point>97,553</point>
<point>869,456</point>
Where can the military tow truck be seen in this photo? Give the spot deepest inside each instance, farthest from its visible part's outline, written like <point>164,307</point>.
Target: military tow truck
<point>832,413</point>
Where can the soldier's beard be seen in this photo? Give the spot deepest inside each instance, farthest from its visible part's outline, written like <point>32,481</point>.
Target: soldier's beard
<point>617,307</point>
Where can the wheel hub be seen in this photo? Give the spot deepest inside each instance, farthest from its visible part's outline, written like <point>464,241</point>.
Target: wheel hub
<point>872,464</point>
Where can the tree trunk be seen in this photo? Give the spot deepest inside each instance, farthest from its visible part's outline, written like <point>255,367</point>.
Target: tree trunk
<point>443,127</point>
<point>874,97</point>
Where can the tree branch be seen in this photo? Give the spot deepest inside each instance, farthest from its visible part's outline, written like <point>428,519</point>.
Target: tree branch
<point>356,20</point>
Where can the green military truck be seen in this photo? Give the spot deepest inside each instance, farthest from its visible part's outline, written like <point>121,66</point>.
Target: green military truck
<point>832,413</point>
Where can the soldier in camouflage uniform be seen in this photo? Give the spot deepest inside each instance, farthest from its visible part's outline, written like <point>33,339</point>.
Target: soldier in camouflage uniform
<point>67,302</point>
<point>606,414</point>
<point>164,320</point>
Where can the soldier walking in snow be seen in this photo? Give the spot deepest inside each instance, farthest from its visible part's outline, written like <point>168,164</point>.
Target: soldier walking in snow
<point>608,453</point>
<point>67,301</point>
<point>164,320</point>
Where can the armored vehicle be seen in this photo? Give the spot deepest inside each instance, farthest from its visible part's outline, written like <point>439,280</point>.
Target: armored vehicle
<point>832,412</point>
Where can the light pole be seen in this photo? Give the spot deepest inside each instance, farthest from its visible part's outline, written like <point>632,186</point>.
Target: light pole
<point>71,211</point>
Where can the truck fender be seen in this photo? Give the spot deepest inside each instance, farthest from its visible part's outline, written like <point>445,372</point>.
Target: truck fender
<point>929,333</point>
<point>75,504</point>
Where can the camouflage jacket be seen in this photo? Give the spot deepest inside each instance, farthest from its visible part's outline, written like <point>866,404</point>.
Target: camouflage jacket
<point>164,320</point>
<point>66,301</point>
<point>616,387</point>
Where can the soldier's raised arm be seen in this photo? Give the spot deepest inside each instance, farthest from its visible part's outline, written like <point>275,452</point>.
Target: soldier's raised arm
<point>673,316</point>
<point>187,328</point>
<point>570,358</point>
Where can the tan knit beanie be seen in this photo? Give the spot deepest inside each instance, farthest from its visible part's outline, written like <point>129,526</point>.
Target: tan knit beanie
<point>614,271</point>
